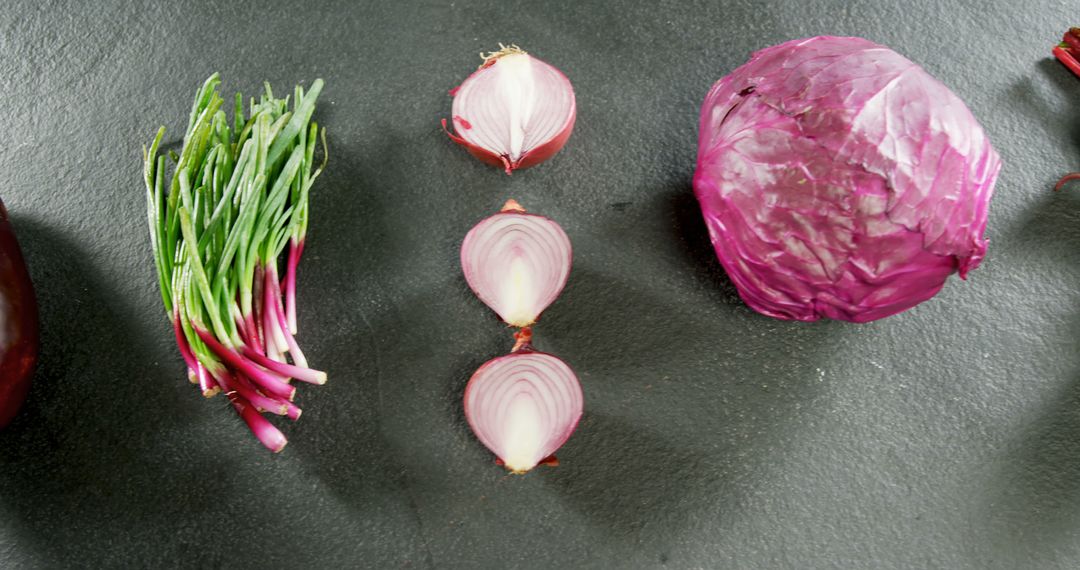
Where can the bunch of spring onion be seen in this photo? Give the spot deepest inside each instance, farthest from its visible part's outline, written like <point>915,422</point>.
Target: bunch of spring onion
<point>237,196</point>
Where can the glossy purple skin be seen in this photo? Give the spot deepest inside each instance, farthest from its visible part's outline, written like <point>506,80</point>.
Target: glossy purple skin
<point>18,324</point>
<point>839,179</point>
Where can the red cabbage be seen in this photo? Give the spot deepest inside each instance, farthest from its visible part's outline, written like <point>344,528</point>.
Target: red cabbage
<point>838,179</point>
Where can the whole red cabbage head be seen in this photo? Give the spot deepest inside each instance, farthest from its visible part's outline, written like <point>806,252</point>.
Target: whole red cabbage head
<point>838,179</point>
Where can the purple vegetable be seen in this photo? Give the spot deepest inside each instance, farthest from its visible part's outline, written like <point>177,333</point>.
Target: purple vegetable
<point>839,179</point>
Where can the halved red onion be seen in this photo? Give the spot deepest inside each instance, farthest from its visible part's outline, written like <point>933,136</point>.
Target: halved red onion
<point>517,263</point>
<point>523,407</point>
<point>515,111</point>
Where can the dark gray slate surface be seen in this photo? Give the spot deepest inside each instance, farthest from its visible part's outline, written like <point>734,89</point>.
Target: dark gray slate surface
<point>945,437</point>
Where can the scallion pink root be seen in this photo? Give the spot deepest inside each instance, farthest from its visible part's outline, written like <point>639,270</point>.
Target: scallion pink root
<point>285,369</point>
<point>294,348</point>
<point>292,411</point>
<point>267,434</point>
<point>268,381</point>
<point>182,342</point>
<point>280,323</point>
<point>250,331</point>
<point>262,402</point>
<point>273,353</point>
<point>264,431</point>
<point>290,283</point>
<point>207,385</point>
<point>196,371</point>
<point>271,302</point>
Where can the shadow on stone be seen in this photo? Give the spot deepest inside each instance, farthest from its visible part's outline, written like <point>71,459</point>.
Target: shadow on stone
<point>689,229</point>
<point>1039,502</point>
<point>73,465</point>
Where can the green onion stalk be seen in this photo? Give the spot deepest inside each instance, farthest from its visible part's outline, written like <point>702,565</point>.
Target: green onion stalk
<point>236,197</point>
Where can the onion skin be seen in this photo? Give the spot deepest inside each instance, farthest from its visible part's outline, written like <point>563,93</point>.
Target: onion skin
<point>530,158</point>
<point>484,155</point>
<point>18,324</point>
<point>489,381</point>
<point>548,149</point>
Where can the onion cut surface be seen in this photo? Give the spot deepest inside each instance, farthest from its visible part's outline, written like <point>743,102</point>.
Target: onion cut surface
<point>514,112</point>
<point>517,263</point>
<point>523,407</point>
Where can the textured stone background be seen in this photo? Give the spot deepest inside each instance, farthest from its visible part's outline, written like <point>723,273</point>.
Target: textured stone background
<point>945,437</point>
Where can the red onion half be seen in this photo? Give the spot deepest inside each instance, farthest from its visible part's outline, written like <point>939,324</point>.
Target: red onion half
<point>523,407</point>
<point>515,111</point>
<point>517,263</point>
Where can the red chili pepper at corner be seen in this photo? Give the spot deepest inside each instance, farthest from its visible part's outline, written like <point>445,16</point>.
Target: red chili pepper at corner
<point>1068,51</point>
<point>18,324</point>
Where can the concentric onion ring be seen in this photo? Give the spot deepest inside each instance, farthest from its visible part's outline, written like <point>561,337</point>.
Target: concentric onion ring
<point>515,111</point>
<point>517,263</point>
<point>523,407</point>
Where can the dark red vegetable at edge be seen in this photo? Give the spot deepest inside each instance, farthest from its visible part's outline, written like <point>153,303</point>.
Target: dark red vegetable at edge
<point>18,324</point>
<point>1068,53</point>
